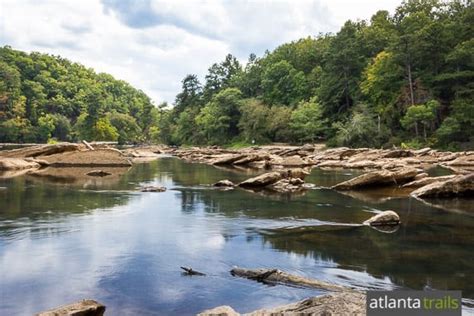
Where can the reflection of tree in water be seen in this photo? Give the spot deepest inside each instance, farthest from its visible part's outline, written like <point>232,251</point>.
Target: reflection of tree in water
<point>415,257</point>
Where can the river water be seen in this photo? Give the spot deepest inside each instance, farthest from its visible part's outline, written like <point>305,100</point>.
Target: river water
<point>65,237</point>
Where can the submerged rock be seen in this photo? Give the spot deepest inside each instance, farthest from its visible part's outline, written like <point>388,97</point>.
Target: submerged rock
<point>153,189</point>
<point>386,218</point>
<point>382,177</point>
<point>82,308</point>
<point>458,186</point>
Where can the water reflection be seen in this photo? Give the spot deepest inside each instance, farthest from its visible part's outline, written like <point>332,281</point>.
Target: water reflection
<point>60,242</point>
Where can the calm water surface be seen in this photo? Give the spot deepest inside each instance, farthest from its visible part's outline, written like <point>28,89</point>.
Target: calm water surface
<point>65,237</point>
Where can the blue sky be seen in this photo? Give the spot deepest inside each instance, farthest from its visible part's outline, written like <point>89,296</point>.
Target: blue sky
<point>153,44</point>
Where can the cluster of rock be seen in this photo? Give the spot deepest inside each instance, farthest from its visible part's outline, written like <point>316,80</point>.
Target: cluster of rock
<point>289,180</point>
<point>339,301</point>
<point>342,157</point>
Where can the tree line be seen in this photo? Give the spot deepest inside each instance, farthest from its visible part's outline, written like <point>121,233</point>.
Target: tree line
<point>48,98</point>
<point>405,78</point>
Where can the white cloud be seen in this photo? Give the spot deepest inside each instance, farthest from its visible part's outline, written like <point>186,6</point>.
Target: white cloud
<point>154,44</point>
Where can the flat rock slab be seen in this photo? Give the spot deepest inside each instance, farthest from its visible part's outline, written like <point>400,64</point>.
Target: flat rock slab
<point>262,180</point>
<point>106,157</point>
<point>9,164</point>
<point>82,308</point>
<point>342,303</point>
<point>40,150</point>
<point>382,177</point>
<point>459,186</point>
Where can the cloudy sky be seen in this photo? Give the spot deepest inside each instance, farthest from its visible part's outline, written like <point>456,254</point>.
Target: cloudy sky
<point>153,44</point>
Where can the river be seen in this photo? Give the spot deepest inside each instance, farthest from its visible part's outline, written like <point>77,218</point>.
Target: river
<point>64,238</point>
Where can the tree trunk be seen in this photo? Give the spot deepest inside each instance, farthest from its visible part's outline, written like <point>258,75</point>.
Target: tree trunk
<point>410,82</point>
<point>416,129</point>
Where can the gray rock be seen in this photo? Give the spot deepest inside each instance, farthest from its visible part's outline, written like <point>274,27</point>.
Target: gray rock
<point>82,308</point>
<point>458,186</point>
<point>224,183</point>
<point>382,177</point>
<point>153,189</point>
<point>386,218</point>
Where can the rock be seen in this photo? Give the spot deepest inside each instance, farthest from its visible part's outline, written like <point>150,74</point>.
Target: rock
<point>295,173</point>
<point>288,185</point>
<point>228,159</point>
<point>280,277</point>
<point>464,161</point>
<point>458,186</point>
<point>106,157</point>
<point>41,150</point>
<point>82,308</point>
<point>219,311</point>
<point>383,218</point>
<point>421,176</point>
<point>422,152</point>
<point>382,177</point>
<point>9,164</point>
<point>294,161</point>
<point>251,158</point>
<point>362,164</point>
<point>340,303</point>
<point>426,180</point>
<point>224,183</point>
<point>98,173</point>
<point>398,153</point>
<point>262,180</point>
<point>153,189</point>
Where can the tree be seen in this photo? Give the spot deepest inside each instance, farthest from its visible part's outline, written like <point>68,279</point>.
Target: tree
<point>283,84</point>
<point>220,76</point>
<point>254,121</point>
<point>423,114</point>
<point>126,127</point>
<point>307,122</point>
<point>190,95</point>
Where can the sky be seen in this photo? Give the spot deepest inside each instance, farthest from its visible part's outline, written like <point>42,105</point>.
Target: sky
<point>154,44</point>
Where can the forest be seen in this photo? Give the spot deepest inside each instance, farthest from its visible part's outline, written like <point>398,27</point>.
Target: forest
<point>403,79</point>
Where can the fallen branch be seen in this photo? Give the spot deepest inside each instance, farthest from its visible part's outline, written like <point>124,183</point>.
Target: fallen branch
<point>190,271</point>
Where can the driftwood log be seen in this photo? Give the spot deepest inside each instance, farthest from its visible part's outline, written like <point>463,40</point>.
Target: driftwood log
<point>279,277</point>
<point>190,271</point>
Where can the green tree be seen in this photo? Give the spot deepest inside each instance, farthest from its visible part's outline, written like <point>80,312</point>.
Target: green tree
<point>307,123</point>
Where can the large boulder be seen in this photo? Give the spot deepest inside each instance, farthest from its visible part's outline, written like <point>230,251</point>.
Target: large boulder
<point>383,218</point>
<point>224,184</point>
<point>8,164</point>
<point>262,180</point>
<point>426,180</point>
<point>227,159</point>
<point>458,186</point>
<point>378,178</point>
<point>82,308</point>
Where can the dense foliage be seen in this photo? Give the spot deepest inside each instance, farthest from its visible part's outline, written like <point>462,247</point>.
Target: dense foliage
<point>46,98</point>
<point>401,79</point>
<point>405,78</point>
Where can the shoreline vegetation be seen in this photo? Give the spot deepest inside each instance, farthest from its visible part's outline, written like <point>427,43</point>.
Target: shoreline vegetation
<point>401,79</point>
